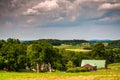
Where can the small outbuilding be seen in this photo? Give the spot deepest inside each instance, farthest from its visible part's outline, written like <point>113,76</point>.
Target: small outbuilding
<point>94,64</point>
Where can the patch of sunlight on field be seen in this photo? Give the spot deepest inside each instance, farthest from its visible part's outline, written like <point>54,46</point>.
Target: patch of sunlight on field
<point>92,77</point>
<point>78,50</point>
<point>69,46</point>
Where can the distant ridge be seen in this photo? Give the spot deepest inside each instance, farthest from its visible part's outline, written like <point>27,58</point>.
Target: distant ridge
<point>25,40</point>
<point>96,40</point>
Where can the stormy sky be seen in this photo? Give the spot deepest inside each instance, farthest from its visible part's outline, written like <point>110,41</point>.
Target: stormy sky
<point>60,19</point>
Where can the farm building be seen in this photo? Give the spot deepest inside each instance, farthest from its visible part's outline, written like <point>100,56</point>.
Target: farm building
<point>90,67</point>
<point>96,64</point>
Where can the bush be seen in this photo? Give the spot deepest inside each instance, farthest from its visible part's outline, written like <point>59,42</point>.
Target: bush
<point>78,69</point>
<point>23,70</point>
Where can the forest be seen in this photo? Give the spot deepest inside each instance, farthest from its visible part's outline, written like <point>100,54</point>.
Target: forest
<point>42,56</point>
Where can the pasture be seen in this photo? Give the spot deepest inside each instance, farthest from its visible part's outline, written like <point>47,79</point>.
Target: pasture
<point>114,66</point>
<point>69,46</point>
<point>95,75</point>
<point>76,48</point>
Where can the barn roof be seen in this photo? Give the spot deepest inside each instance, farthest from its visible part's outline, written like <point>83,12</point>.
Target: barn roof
<point>97,63</point>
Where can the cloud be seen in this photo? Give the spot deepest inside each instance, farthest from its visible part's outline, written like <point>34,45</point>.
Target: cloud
<point>13,3</point>
<point>107,6</point>
<point>30,11</point>
<point>54,11</point>
<point>58,19</point>
<point>110,19</point>
<point>43,6</point>
<point>40,12</point>
<point>111,12</point>
<point>48,5</point>
<point>30,21</point>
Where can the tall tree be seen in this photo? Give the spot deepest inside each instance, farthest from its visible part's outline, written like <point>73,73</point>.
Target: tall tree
<point>11,52</point>
<point>98,51</point>
<point>1,43</point>
<point>41,52</point>
<point>34,52</point>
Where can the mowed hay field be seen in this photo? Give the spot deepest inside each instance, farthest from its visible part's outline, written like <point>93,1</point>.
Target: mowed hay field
<point>76,48</point>
<point>94,75</point>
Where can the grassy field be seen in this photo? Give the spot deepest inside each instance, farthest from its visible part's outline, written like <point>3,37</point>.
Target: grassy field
<point>114,66</point>
<point>69,46</point>
<point>96,75</point>
<point>76,48</point>
<point>109,74</point>
<point>113,73</point>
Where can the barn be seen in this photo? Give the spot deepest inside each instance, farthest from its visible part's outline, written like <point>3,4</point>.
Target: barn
<point>94,64</point>
<point>90,67</point>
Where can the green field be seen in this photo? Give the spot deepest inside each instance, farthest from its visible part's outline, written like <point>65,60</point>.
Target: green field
<point>114,66</point>
<point>76,48</point>
<point>109,74</point>
<point>69,46</point>
<point>96,75</point>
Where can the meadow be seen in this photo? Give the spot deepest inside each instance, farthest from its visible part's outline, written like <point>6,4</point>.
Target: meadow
<point>76,48</point>
<point>95,75</point>
<point>69,46</point>
<point>113,73</point>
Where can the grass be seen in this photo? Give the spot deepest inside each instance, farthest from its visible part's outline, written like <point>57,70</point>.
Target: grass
<point>76,48</point>
<point>95,75</point>
<point>69,46</point>
<point>114,66</point>
<point>109,74</point>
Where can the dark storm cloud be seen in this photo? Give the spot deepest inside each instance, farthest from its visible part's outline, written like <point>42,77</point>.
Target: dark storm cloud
<point>4,6</point>
<point>64,19</point>
<point>38,12</point>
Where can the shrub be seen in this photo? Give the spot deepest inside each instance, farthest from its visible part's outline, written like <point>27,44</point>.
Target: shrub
<point>69,64</point>
<point>78,69</point>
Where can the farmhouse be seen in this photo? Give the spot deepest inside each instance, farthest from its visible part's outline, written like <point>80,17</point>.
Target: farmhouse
<point>93,64</point>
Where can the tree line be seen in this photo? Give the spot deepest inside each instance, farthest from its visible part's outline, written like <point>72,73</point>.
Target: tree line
<point>57,42</point>
<point>42,56</point>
